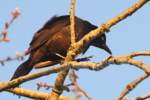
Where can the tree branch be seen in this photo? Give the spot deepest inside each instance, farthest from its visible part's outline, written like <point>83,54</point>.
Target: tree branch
<point>15,13</point>
<point>144,97</point>
<point>131,86</point>
<point>106,26</point>
<point>57,90</point>
<point>72,21</point>
<point>34,94</point>
<point>17,81</point>
<point>81,65</point>
<point>76,48</point>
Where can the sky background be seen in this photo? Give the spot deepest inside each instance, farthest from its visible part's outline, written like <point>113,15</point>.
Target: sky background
<point>128,36</point>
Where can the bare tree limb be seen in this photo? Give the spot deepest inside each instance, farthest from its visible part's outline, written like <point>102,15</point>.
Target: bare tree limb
<point>79,65</point>
<point>47,86</point>
<point>17,81</point>
<point>72,21</point>
<point>131,86</point>
<point>76,48</point>
<point>106,26</point>
<point>34,94</point>
<point>19,56</point>
<point>76,87</point>
<point>15,13</point>
<point>135,54</point>
<point>144,97</point>
<point>57,90</point>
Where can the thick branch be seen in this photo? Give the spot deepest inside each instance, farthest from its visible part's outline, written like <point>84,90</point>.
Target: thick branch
<point>34,94</point>
<point>4,85</point>
<point>57,90</point>
<point>76,48</point>
<point>80,65</point>
<point>106,26</point>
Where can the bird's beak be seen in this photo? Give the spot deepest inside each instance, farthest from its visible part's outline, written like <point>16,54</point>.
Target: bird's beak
<point>106,48</point>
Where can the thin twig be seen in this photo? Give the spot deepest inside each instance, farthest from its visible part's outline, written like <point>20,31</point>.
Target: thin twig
<point>15,13</point>
<point>76,87</point>
<point>72,21</point>
<point>144,97</point>
<point>131,86</point>
<point>47,86</point>
<point>19,56</point>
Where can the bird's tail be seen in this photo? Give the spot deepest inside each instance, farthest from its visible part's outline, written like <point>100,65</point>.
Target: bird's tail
<point>23,69</point>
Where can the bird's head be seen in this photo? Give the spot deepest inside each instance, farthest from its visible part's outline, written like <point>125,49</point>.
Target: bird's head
<point>100,42</point>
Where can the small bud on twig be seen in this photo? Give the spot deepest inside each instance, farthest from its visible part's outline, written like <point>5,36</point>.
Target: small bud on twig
<point>16,12</point>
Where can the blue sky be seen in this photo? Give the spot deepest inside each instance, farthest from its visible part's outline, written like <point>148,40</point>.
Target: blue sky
<point>128,36</point>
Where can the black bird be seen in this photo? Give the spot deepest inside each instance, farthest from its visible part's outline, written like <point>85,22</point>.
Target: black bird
<point>53,39</point>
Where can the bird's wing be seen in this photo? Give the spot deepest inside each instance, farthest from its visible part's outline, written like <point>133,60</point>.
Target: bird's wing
<point>45,33</point>
<point>39,39</point>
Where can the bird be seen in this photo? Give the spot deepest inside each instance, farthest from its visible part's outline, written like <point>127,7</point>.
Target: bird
<point>53,39</point>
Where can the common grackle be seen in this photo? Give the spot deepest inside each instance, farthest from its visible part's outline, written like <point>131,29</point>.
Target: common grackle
<point>53,39</point>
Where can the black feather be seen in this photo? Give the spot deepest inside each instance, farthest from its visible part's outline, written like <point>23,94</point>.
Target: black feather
<point>54,38</point>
